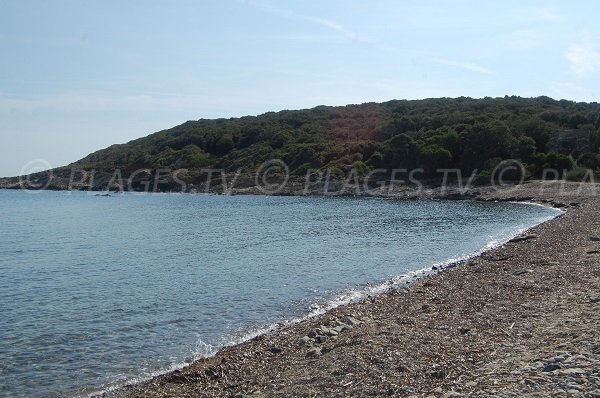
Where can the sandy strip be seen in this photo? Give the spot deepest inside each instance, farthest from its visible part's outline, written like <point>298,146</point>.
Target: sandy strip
<point>521,320</point>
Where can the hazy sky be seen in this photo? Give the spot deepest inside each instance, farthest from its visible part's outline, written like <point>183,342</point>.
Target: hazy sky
<point>77,76</point>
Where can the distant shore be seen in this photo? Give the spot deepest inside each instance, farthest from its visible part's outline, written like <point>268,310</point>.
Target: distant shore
<point>552,189</point>
<point>518,320</point>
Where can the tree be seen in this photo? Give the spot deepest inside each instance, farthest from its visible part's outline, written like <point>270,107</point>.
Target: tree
<point>540,131</point>
<point>526,147</point>
<point>595,140</point>
<point>434,157</point>
<point>484,141</point>
<point>224,144</point>
<point>402,152</point>
<point>558,161</point>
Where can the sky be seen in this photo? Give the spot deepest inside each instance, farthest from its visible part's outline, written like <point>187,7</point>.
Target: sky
<point>77,76</point>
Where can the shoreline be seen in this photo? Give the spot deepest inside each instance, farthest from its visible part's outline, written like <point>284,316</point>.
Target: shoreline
<point>198,378</point>
<point>364,292</point>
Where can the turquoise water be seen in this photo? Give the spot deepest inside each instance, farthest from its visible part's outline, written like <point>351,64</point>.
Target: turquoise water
<point>97,291</point>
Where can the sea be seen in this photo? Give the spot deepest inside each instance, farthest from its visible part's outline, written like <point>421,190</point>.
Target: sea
<point>101,291</point>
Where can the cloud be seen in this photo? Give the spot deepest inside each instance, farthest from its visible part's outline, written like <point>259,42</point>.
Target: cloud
<point>566,90</point>
<point>324,22</point>
<point>79,101</point>
<point>583,59</point>
<point>548,15</point>
<point>465,65</point>
<point>574,92</point>
<point>524,39</point>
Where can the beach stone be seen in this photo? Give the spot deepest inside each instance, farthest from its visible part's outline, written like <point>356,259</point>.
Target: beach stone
<point>523,238</point>
<point>576,358</point>
<point>276,349</point>
<point>451,394</point>
<point>595,238</point>
<point>320,339</point>
<point>314,352</point>
<point>551,367</point>
<point>558,358</point>
<point>339,328</point>
<point>520,271</point>
<point>312,334</point>
<point>437,374</point>
<point>324,330</point>
<point>305,340</point>
<point>572,372</point>
<point>352,321</point>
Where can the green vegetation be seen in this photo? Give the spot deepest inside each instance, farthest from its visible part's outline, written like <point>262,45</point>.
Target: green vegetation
<point>460,133</point>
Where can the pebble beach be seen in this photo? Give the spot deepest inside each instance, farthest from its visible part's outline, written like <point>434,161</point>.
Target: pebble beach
<point>520,320</point>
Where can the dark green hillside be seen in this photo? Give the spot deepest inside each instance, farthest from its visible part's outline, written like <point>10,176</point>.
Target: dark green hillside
<point>432,133</point>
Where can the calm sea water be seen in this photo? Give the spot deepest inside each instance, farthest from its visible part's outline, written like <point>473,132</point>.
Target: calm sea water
<point>97,291</point>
